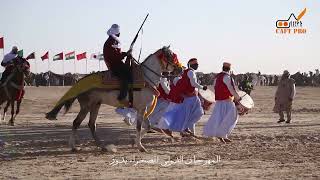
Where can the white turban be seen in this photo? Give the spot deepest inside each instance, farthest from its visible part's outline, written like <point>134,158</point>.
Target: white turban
<point>113,31</point>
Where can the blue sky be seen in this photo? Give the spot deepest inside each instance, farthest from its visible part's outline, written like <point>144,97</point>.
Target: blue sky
<point>241,32</point>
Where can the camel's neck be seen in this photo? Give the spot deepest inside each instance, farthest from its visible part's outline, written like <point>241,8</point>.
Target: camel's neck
<point>152,63</point>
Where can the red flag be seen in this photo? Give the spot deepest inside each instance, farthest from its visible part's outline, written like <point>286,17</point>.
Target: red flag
<point>31,56</point>
<point>82,56</point>
<point>1,43</point>
<point>45,56</point>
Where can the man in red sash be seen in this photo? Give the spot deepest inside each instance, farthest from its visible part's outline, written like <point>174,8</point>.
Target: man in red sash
<point>174,98</point>
<point>182,118</point>
<point>225,116</point>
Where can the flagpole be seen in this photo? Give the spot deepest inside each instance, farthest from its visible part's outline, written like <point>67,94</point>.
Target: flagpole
<point>74,62</point>
<point>86,65</point>
<point>3,57</point>
<point>49,69</point>
<point>62,71</point>
<point>35,65</point>
<point>3,51</point>
<point>99,64</point>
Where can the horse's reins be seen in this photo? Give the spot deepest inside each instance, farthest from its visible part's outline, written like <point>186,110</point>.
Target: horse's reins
<point>151,70</point>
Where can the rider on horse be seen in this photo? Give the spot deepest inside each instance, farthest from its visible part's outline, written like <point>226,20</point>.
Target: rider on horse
<point>113,58</point>
<point>7,62</point>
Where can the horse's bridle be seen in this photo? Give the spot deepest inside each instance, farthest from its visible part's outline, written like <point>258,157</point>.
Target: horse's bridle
<point>151,70</point>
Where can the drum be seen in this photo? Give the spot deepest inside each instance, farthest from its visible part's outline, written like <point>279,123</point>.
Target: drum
<point>245,104</point>
<point>207,98</point>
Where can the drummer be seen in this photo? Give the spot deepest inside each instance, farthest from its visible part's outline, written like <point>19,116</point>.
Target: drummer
<point>182,117</point>
<point>207,99</point>
<point>224,116</point>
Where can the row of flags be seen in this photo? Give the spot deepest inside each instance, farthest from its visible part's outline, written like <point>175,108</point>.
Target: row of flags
<point>59,56</point>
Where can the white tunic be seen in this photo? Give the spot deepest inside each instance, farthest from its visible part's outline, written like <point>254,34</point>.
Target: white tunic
<point>224,116</point>
<point>161,106</point>
<point>194,83</point>
<point>179,117</point>
<point>131,114</point>
<point>165,85</point>
<point>193,79</point>
<point>222,120</point>
<point>176,79</point>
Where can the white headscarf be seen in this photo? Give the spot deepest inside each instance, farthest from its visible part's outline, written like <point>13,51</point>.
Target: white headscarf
<point>113,31</point>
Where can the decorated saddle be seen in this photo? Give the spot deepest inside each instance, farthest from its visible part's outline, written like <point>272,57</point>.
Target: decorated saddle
<point>109,80</point>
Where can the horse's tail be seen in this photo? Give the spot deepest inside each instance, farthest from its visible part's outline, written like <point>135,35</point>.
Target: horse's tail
<point>52,115</point>
<point>68,105</point>
<point>83,85</point>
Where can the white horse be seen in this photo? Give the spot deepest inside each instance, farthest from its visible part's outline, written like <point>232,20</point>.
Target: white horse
<point>162,60</point>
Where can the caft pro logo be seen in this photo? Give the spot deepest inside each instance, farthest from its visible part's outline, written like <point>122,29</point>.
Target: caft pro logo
<point>292,25</point>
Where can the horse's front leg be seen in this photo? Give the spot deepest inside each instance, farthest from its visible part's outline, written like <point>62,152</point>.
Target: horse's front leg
<point>138,128</point>
<point>5,111</point>
<point>18,108</point>
<point>11,121</point>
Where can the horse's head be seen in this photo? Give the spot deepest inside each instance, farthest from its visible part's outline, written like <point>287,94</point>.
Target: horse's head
<point>22,65</point>
<point>169,60</point>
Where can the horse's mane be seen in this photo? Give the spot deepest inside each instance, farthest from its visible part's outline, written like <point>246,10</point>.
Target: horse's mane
<point>149,56</point>
<point>20,60</point>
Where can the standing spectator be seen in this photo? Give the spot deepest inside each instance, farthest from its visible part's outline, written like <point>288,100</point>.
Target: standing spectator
<point>284,97</point>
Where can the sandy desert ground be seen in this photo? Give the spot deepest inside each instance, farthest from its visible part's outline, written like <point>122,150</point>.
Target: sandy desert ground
<point>261,149</point>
